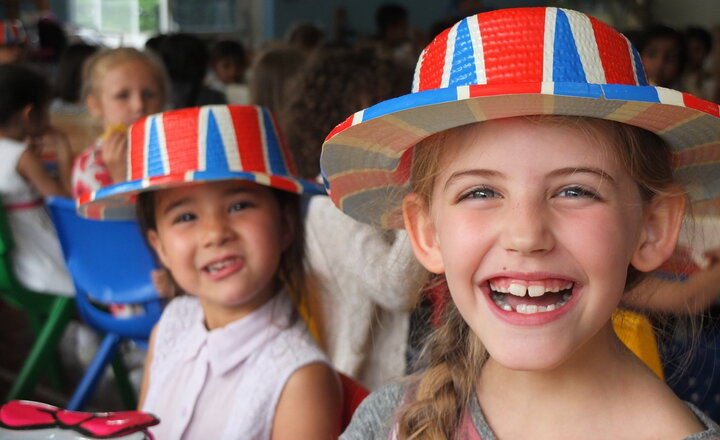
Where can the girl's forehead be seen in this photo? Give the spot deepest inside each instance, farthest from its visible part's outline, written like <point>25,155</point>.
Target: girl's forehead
<point>202,189</point>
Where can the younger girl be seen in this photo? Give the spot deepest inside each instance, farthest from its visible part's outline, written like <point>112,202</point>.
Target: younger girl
<point>218,197</point>
<point>24,181</point>
<point>120,86</point>
<point>540,175</point>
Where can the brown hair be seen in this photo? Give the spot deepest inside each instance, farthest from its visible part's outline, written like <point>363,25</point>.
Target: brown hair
<point>453,353</point>
<point>271,75</point>
<point>98,64</point>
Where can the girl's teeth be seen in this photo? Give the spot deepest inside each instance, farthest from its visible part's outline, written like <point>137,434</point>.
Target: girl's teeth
<point>536,291</point>
<point>517,289</point>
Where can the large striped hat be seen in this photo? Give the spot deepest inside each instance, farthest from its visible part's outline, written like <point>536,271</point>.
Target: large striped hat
<point>12,32</point>
<point>506,63</point>
<point>198,144</point>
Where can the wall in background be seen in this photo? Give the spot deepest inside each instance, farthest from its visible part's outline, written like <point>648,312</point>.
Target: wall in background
<point>680,14</point>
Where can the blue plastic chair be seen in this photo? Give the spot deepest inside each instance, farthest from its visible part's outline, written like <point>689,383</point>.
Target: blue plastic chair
<point>110,263</point>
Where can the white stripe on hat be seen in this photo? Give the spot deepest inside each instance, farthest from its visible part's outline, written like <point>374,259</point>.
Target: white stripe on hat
<point>672,97</point>
<point>548,50</point>
<point>476,38</point>
<point>357,117</point>
<point>463,92</point>
<point>449,55</point>
<point>227,133</point>
<point>263,138</point>
<point>202,138</point>
<point>632,61</point>
<point>146,145</point>
<point>162,144</point>
<point>416,75</point>
<point>587,47</point>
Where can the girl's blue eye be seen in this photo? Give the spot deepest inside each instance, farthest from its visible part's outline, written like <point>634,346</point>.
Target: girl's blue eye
<point>184,217</point>
<point>481,193</point>
<point>239,206</point>
<point>577,191</point>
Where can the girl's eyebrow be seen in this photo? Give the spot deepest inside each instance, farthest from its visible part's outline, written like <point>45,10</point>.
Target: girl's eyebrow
<point>555,173</point>
<point>176,203</point>
<point>588,170</point>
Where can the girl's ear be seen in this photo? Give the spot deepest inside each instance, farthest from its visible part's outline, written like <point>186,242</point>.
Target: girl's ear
<point>154,240</point>
<point>661,228</point>
<point>421,231</point>
<point>93,105</point>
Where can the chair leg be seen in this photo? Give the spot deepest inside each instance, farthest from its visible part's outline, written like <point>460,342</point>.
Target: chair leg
<point>106,351</point>
<point>41,352</point>
<point>127,393</point>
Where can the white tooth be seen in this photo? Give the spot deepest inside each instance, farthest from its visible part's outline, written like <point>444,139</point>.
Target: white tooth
<point>521,308</point>
<point>517,289</point>
<point>569,286</point>
<point>550,308</point>
<point>536,291</point>
<point>542,309</point>
<point>531,308</point>
<point>507,307</point>
<point>566,297</point>
<point>555,289</point>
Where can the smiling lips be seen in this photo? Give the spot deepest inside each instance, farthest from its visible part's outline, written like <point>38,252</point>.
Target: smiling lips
<point>530,297</point>
<point>223,267</point>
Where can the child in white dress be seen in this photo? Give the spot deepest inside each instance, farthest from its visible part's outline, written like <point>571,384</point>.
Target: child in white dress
<point>219,199</point>
<point>25,182</point>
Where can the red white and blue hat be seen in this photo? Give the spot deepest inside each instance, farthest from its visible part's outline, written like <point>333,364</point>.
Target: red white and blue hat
<point>12,32</point>
<point>209,143</point>
<point>507,63</point>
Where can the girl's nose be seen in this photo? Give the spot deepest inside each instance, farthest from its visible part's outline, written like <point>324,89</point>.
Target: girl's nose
<point>526,230</point>
<point>217,230</point>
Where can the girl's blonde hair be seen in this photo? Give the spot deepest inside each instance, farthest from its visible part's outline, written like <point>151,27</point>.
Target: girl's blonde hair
<point>101,62</point>
<point>453,355</point>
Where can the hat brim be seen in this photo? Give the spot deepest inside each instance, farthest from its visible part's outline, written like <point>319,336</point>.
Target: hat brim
<point>366,159</point>
<point>117,202</point>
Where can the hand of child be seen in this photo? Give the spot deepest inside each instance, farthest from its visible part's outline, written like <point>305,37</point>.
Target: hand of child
<point>113,152</point>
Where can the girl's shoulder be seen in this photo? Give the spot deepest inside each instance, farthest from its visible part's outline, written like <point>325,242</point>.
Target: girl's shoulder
<point>375,416</point>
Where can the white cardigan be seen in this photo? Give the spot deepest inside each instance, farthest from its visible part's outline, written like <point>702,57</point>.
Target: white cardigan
<point>368,281</point>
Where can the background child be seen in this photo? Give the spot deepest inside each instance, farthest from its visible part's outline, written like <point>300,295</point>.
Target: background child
<point>539,218</point>
<point>24,181</point>
<point>120,86</point>
<point>13,41</point>
<point>232,359</point>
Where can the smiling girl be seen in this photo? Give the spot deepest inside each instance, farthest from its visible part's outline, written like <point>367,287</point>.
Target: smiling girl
<point>540,176</point>
<point>220,202</point>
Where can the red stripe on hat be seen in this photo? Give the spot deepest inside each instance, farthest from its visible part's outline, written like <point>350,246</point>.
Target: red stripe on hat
<point>433,60</point>
<point>137,149</point>
<point>246,122</point>
<point>696,103</point>
<point>340,127</point>
<point>287,157</point>
<point>514,49</point>
<point>181,131</point>
<point>614,54</point>
<point>284,184</point>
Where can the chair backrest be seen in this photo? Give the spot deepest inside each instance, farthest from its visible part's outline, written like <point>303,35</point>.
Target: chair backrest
<point>110,263</point>
<point>353,394</point>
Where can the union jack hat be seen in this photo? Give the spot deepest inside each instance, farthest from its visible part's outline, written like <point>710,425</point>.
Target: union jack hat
<point>209,143</point>
<point>507,63</point>
<point>12,32</point>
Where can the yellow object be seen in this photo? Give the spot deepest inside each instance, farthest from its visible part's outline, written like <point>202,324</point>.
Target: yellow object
<point>636,332</point>
<point>121,128</point>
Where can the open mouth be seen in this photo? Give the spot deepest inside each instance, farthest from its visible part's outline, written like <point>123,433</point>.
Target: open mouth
<point>529,297</point>
<point>220,265</point>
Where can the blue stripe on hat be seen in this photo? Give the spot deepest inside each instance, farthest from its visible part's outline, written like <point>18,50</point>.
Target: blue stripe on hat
<point>215,156</point>
<point>567,66</point>
<point>581,90</point>
<point>639,70</point>
<point>462,71</point>
<point>631,93</point>
<point>272,151</point>
<point>155,165</point>
<point>409,101</point>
